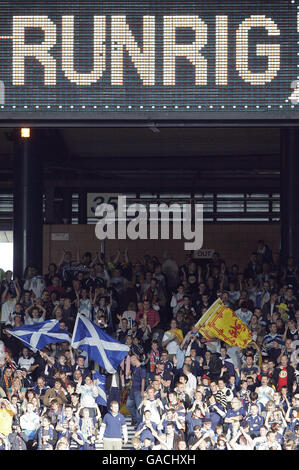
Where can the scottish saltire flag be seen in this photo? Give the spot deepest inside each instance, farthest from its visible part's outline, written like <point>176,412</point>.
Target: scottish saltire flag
<point>39,335</point>
<point>101,399</point>
<point>102,348</point>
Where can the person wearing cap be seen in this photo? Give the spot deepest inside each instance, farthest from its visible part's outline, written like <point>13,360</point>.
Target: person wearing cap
<point>283,311</point>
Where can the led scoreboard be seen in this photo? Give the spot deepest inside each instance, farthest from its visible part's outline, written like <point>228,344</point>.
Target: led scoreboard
<point>140,60</point>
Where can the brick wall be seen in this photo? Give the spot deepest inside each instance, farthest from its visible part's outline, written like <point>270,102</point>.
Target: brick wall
<point>234,242</point>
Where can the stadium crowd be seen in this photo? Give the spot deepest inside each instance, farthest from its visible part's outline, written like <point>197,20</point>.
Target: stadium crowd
<point>180,390</point>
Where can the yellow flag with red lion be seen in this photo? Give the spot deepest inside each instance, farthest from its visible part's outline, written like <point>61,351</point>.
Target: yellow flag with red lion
<point>221,322</point>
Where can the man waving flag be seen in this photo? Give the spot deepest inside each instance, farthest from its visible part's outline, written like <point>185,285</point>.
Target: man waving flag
<point>39,335</point>
<point>102,348</point>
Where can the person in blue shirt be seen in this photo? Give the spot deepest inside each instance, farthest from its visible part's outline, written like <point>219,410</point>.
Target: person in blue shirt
<point>194,419</point>
<point>123,331</point>
<point>255,421</point>
<point>137,390</point>
<point>216,412</point>
<point>228,368</point>
<point>79,365</point>
<point>40,387</point>
<point>235,413</point>
<point>113,428</point>
<point>144,429</point>
<point>168,365</point>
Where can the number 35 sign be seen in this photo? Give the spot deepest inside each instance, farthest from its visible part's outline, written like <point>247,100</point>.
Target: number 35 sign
<point>96,199</point>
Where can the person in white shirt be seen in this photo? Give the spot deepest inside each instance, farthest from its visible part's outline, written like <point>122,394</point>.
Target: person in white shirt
<point>265,392</point>
<point>172,339</point>
<point>153,405</point>
<point>192,381</point>
<point>25,361</point>
<point>35,318</point>
<point>30,421</point>
<point>84,304</point>
<point>244,314</point>
<point>177,300</point>
<point>245,441</point>
<point>271,442</point>
<point>89,392</point>
<point>261,439</point>
<point>36,284</point>
<point>9,303</point>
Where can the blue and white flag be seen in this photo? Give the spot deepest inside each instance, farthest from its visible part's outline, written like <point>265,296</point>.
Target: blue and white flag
<point>39,335</point>
<point>101,399</point>
<point>102,348</point>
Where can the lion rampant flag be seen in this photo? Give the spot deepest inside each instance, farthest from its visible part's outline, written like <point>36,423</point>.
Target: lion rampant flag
<point>221,322</point>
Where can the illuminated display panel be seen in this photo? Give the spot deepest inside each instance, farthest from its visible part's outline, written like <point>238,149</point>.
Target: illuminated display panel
<point>140,60</point>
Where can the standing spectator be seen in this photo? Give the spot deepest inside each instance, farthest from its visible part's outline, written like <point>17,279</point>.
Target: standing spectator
<point>7,412</point>
<point>29,423</point>
<point>137,389</point>
<point>172,339</point>
<point>113,428</point>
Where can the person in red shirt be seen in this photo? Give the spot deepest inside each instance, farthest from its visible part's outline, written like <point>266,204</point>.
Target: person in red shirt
<point>284,374</point>
<point>153,317</point>
<point>56,286</point>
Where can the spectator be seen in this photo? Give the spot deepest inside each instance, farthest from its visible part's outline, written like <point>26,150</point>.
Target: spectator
<point>137,389</point>
<point>112,429</point>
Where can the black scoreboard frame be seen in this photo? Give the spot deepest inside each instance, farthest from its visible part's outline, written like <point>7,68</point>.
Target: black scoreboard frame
<point>152,118</point>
